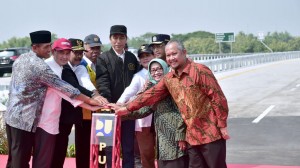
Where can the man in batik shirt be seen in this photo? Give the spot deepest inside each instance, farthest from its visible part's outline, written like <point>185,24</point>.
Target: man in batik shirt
<point>31,77</point>
<point>201,102</point>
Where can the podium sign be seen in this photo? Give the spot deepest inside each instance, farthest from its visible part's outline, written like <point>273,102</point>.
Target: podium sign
<point>105,139</point>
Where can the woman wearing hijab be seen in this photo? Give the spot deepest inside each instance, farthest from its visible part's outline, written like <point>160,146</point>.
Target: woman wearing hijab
<point>169,126</point>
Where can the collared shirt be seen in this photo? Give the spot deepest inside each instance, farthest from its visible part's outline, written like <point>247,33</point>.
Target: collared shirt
<point>49,120</point>
<point>89,62</point>
<point>83,77</point>
<point>136,85</point>
<point>29,82</point>
<point>122,56</point>
<point>200,100</point>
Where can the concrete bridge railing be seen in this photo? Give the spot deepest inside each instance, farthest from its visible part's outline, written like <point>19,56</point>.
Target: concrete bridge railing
<point>224,63</point>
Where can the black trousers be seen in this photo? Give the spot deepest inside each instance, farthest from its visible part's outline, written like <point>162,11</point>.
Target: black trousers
<point>82,143</point>
<point>182,162</point>
<point>61,145</point>
<point>211,155</point>
<point>22,143</point>
<point>127,143</point>
<point>43,149</point>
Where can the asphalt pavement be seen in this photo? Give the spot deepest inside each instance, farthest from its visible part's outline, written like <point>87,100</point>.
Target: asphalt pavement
<point>264,117</point>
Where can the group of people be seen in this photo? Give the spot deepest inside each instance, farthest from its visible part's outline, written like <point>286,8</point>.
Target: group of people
<point>173,107</point>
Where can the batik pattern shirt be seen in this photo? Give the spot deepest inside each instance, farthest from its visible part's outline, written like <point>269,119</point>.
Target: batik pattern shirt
<point>200,100</point>
<point>29,82</point>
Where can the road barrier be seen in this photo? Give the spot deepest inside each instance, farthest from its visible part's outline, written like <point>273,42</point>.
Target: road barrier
<point>218,63</point>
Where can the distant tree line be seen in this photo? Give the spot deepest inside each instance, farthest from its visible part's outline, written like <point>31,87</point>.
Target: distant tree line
<point>21,42</point>
<point>201,42</point>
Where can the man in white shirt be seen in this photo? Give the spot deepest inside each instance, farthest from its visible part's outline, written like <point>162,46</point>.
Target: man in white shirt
<point>80,70</point>
<point>144,135</point>
<point>92,45</point>
<point>48,125</point>
<point>71,115</point>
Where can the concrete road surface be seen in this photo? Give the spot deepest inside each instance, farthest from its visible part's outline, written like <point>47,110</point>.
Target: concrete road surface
<point>264,118</point>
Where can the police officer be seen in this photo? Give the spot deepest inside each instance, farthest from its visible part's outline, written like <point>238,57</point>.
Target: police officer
<point>158,44</point>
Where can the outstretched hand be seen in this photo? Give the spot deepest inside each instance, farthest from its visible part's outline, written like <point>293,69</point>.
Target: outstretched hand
<point>119,110</point>
<point>101,100</point>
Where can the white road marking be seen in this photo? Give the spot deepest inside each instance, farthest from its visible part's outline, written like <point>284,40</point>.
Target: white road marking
<point>293,89</point>
<point>297,85</point>
<point>262,115</point>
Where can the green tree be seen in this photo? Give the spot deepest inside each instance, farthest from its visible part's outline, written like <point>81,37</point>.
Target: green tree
<point>200,42</point>
<point>201,46</point>
<point>247,44</point>
<point>105,47</point>
<point>197,34</point>
<point>294,44</point>
<point>136,42</point>
<point>281,41</point>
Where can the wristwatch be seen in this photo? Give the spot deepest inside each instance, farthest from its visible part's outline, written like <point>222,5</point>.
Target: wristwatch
<point>93,94</point>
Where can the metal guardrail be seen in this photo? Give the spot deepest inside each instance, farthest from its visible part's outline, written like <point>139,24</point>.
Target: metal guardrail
<point>232,62</point>
<point>197,57</point>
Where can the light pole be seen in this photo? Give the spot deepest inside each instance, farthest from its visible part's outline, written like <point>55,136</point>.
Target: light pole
<point>260,38</point>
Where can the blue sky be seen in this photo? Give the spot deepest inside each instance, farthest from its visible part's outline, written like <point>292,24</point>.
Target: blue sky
<point>76,19</point>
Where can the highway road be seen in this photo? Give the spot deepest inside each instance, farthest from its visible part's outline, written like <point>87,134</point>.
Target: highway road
<point>264,117</point>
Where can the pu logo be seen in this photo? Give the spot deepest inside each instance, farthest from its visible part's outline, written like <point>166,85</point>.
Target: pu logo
<point>104,127</point>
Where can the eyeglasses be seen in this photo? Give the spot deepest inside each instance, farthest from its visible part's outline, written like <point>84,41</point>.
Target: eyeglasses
<point>159,70</point>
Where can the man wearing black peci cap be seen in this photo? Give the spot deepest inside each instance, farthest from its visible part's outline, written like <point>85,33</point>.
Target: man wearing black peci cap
<point>114,71</point>
<point>31,77</point>
<point>158,44</point>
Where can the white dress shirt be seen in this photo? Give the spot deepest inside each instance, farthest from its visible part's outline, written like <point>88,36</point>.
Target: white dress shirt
<point>49,120</point>
<point>90,63</point>
<point>122,56</point>
<point>83,77</point>
<point>137,83</point>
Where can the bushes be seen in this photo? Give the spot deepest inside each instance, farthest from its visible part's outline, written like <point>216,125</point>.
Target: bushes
<point>3,142</point>
<point>71,151</point>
